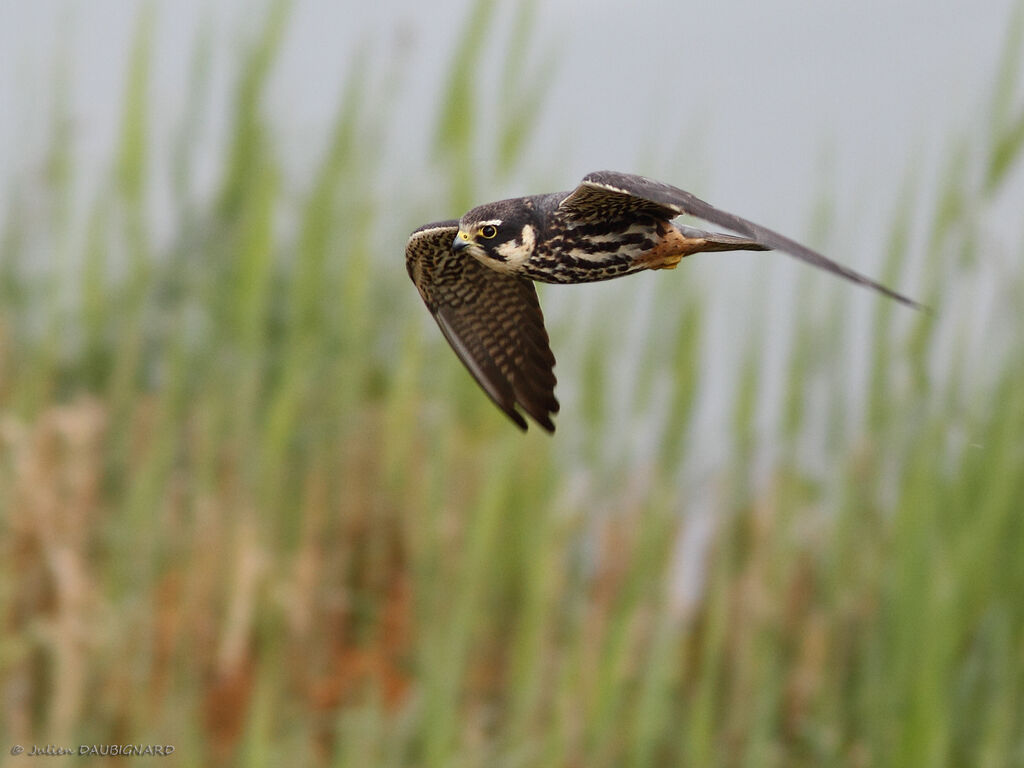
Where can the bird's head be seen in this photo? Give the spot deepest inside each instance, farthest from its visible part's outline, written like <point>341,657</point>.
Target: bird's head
<point>502,235</point>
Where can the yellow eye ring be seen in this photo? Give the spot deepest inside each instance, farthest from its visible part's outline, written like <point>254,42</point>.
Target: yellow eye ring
<point>488,232</point>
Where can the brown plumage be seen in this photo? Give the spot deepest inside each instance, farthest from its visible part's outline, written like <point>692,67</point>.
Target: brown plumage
<point>476,275</point>
<point>492,321</point>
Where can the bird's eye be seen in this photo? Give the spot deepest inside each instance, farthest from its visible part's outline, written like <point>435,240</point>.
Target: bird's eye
<point>488,231</point>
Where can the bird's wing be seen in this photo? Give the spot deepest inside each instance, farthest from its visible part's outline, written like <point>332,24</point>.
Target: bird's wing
<point>610,194</point>
<point>492,320</point>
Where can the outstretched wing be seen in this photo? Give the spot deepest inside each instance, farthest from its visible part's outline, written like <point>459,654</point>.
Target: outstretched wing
<point>492,320</point>
<point>607,194</point>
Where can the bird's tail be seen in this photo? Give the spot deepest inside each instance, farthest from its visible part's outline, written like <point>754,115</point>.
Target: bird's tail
<point>715,241</point>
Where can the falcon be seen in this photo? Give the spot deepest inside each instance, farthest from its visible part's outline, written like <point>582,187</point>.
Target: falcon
<point>476,275</point>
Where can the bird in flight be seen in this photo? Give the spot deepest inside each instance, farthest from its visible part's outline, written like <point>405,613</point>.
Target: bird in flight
<point>476,274</point>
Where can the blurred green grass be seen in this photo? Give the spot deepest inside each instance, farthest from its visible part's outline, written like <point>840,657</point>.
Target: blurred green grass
<point>253,507</point>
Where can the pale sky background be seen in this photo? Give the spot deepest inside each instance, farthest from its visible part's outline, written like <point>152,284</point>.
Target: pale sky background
<point>758,107</point>
<point>765,89</point>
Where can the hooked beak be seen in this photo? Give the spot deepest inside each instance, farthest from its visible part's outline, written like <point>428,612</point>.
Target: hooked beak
<point>461,242</point>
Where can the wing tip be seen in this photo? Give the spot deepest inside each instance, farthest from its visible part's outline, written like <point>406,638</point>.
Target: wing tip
<point>542,417</point>
<point>545,421</point>
<point>517,418</point>
<point>908,302</point>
